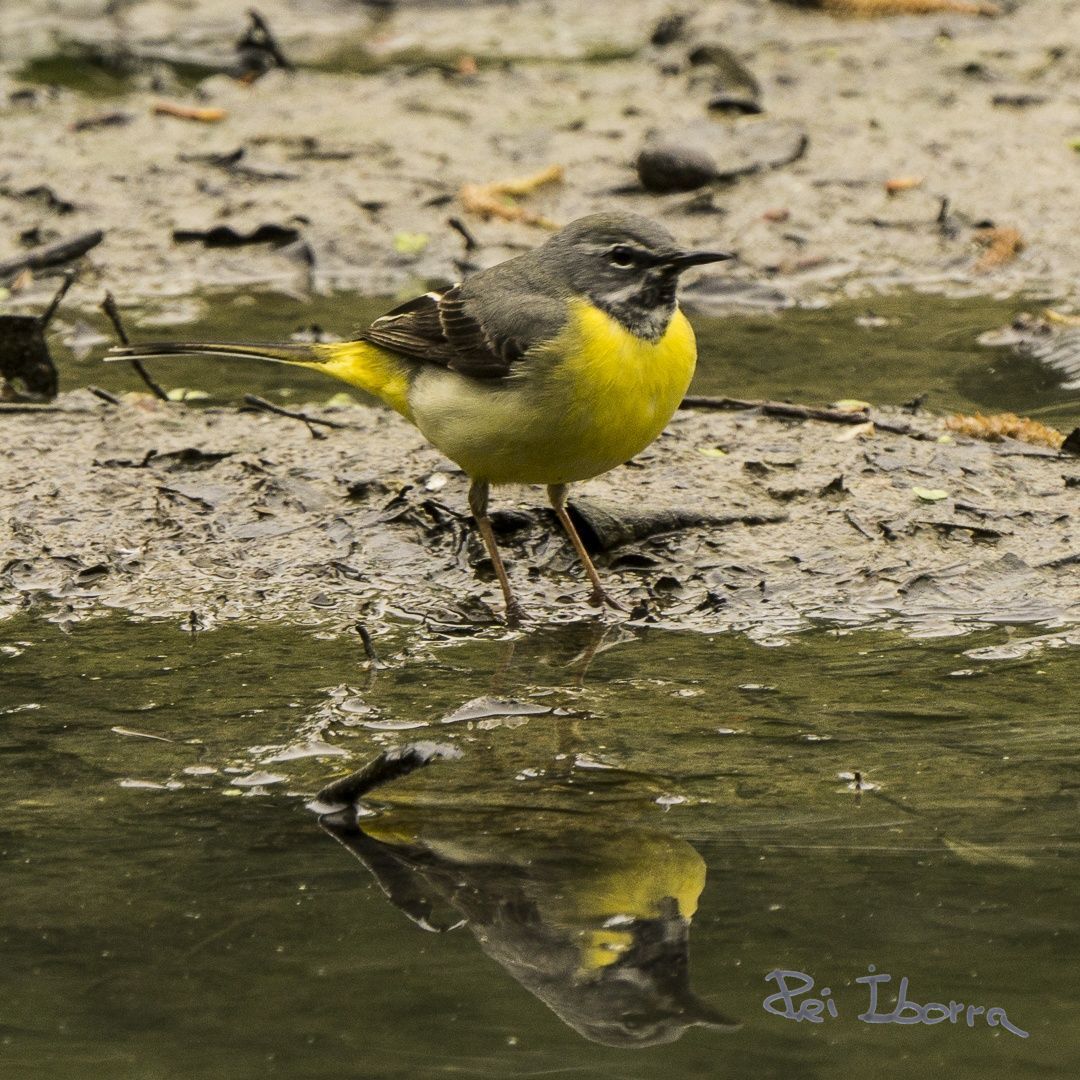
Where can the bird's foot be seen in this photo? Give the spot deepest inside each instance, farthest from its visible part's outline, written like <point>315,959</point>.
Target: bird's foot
<point>599,598</point>
<point>515,614</point>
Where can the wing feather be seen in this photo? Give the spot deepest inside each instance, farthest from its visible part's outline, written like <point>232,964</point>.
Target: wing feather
<point>441,328</point>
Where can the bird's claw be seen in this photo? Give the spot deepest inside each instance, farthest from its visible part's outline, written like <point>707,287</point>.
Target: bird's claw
<point>599,598</point>
<point>515,614</point>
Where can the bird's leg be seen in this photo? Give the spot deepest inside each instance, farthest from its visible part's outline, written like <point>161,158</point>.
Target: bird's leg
<point>478,504</point>
<point>599,597</point>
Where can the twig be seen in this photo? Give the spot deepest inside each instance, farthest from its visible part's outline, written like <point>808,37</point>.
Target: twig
<point>902,429</point>
<point>858,526</point>
<point>108,305</point>
<point>802,144</point>
<point>463,230</point>
<point>50,311</point>
<point>978,532</point>
<point>907,7</point>
<point>369,645</point>
<point>109,119</point>
<point>885,223</point>
<point>303,252</point>
<point>790,411</point>
<point>189,112</point>
<point>776,408</point>
<point>261,36</point>
<point>62,251</point>
<point>1065,560</point>
<point>112,399</point>
<point>268,406</point>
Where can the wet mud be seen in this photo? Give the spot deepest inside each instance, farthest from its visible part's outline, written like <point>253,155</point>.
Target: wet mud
<point>937,150</point>
<point>835,155</point>
<point>732,521</point>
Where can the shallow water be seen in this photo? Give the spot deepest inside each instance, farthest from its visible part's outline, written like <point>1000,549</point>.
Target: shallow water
<point>886,350</point>
<point>173,909</point>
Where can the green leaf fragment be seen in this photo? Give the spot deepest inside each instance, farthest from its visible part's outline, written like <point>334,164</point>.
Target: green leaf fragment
<point>409,243</point>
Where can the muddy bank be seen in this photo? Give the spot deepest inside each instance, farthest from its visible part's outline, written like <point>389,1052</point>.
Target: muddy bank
<point>352,164</point>
<point>732,521</point>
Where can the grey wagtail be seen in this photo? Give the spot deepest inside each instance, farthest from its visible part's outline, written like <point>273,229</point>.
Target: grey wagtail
<point>554,366</point>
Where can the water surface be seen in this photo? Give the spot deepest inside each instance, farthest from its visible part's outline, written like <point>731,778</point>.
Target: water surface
<point>638,828</point>
<point>173,909</point>
<point>884,349</point>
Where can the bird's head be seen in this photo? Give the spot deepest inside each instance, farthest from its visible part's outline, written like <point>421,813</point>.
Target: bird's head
<point>626,264</point>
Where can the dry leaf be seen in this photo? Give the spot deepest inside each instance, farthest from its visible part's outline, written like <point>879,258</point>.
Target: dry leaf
<point>1060,317</point>
<point>188,112</point>
<point>856,431</point>
<point>1002,246</point>
<point>902,183</point>
<point>1005,426</point>
<point>496,198</point>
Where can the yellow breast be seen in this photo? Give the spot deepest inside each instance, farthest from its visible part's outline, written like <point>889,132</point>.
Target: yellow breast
<point>583,403</point>
<point>622,390</point>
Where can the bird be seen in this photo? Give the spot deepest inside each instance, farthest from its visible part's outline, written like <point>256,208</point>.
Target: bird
<point>552,367</point>
<point>589,913</point>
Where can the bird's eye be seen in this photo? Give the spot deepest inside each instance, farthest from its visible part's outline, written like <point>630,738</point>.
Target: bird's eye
<point>622,256</point>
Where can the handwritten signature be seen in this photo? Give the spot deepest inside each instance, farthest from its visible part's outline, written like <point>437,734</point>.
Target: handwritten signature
<point>797,984</point>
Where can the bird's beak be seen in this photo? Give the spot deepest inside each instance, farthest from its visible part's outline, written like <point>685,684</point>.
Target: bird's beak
<point>682,260</point>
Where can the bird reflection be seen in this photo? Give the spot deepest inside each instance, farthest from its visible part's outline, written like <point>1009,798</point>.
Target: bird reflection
<point>591,918</point>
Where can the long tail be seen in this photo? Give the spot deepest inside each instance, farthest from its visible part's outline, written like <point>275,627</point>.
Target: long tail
<point>389,765</point>
<point>275,352</point>
<point>357,363</point>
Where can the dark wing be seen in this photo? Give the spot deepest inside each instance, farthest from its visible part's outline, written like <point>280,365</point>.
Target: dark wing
<point>414,329</point>
<point>482,338</point>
